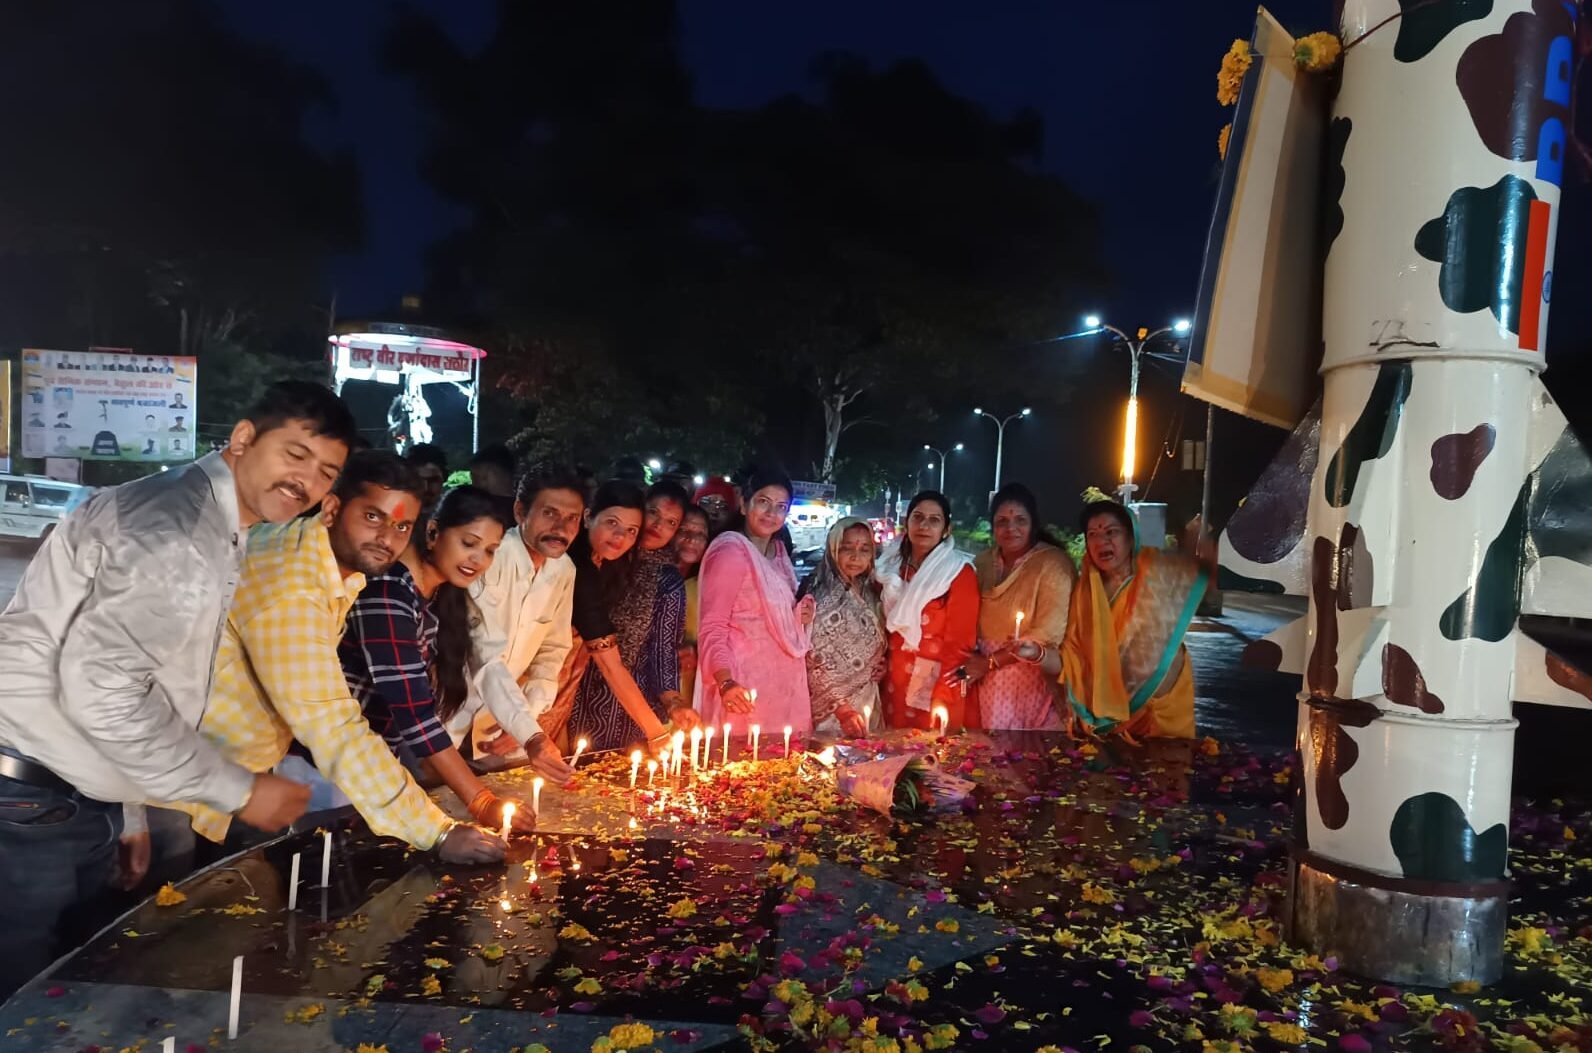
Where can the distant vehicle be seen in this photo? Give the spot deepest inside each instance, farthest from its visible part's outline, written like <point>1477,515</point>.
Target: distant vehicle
<point>31,506</point>
<point>884,531</point>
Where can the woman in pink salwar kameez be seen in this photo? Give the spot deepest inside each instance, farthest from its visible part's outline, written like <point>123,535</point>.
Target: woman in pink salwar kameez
<point>752,634</point>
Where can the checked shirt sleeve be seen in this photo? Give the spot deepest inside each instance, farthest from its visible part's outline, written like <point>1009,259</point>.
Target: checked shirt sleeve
<point>292,648</point>
<point>385,625</point>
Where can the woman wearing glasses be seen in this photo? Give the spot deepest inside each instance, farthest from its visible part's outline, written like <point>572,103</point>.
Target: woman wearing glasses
<point>752,636</point>
<point>930,594</point>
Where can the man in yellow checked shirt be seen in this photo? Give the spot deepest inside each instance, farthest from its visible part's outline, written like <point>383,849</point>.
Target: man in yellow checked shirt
<point>278,678</point>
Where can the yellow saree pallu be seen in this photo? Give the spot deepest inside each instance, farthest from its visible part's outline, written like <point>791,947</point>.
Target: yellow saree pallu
<point>1124,666</point>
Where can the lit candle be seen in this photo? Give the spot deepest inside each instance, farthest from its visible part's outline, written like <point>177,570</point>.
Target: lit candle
<point>508,818</point>
<point>757,731</point>
<point>635,766</point>
<point>787,740</point>
<point>580,747</point>
<point>652,769</point>
<point>867,716</point>
<point>1017,632</point>
<point>536,795</point>
<point>696,745</point>
<point>292,884</point>
<point>237,997</point>
<point>751,695</point>
<point>707,747</point>
<point>326,860</point>
<point>941,717</point>
<point>726,742</point>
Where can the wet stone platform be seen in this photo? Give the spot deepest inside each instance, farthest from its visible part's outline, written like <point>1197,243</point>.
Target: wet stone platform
<point>1087,897</point>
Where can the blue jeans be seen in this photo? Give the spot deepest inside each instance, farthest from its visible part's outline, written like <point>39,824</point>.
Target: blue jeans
<point>57,850</point>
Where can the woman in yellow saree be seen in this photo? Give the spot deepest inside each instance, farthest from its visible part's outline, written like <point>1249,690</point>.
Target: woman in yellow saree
<point>1124,667</point>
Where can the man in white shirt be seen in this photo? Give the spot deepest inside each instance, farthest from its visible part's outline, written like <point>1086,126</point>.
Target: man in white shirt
<point>525,600</point>
<point>106,655</point>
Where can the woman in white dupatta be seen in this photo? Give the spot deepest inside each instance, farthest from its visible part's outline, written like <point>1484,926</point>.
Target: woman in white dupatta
<point>930,594</point>
<point>752,636</point>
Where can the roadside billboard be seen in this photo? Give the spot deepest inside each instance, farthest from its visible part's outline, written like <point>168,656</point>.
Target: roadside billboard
<point>108,406</point>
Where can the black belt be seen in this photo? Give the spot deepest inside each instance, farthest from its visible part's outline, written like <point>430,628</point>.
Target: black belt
<point>36,775</point>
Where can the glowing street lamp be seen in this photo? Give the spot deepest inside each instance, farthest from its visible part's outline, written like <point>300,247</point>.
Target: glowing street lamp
<point>1130,428</point>
<point>955,448</point>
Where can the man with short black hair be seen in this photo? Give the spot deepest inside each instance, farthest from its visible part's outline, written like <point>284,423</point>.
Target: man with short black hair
<point>492,469</point>
<point>278,678</point>
<point>431,464</point>
<point>526,599</point>
<point>106,655</point>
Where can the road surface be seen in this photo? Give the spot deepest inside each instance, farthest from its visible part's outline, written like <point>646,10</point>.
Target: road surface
<point>14,556</point>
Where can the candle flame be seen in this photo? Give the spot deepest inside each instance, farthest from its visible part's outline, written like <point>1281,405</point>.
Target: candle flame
<point>635,757</point>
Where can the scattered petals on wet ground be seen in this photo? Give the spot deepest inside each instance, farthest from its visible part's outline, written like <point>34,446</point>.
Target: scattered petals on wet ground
<point>1086,897</point>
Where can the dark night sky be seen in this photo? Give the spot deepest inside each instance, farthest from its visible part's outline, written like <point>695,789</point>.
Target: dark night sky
<point>1126,89</point>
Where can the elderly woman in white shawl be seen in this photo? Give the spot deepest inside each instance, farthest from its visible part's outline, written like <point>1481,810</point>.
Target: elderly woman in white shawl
<point>931,597</point>
<point>847,658</point>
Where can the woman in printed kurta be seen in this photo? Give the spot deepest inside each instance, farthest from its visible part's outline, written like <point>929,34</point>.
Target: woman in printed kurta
<point>753,636</point>
<point>1025,580</point>
<point>1124,666</point>
<point>604,563</point>
<point>690,544</point>
<point>649,624</point>
<point>406,648</point>
<point>847,658</point>
<point>930,595</point>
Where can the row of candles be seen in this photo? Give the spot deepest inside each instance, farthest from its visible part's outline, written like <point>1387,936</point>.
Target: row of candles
<point>672,758</point>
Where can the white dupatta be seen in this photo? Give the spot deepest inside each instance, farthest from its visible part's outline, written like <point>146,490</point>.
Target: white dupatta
<point>904,600</point>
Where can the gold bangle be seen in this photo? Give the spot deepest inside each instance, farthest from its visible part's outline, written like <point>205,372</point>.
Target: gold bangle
<point>606,643</point>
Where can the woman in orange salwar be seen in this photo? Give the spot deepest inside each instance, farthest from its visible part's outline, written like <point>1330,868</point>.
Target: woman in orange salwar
<point>1124,667</point>
<point>930,596</point>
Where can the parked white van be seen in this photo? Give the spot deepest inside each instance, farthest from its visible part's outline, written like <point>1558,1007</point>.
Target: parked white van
<point>31,506</point>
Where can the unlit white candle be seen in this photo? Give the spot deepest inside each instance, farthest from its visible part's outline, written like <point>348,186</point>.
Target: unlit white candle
<point>726,742</point>
<point>757,730</point>
<point>326,859</point>
<point>292,883</point>
<point>237,996</point>
<point>168,1045</point>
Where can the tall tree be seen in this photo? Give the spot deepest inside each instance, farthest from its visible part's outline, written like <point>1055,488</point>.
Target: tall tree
<point>658,259</point>
<point>159,191</point>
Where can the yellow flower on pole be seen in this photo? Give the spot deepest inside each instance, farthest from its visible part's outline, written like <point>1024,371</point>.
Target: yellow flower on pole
<point>1317,52</point>
<point>1230,77</point>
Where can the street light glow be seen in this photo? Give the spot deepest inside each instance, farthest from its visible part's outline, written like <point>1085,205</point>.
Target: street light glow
<point>978,411</point>
<point>1092,321</point>
<point>1027,410</point>
<point>1180,326</point>
<point>926,446</point>
<point>655,464</point>
<point>958,446</point>
<point>699,479</point>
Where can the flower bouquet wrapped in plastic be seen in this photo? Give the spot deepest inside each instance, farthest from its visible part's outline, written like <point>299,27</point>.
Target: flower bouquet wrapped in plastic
<point>894,784</point>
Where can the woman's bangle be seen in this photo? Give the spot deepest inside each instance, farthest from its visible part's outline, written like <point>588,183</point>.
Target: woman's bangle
<point>725,684</point>
<point>604,643</point>
<point>480,804</point>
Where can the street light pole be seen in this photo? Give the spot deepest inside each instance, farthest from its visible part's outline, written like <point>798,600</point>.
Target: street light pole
<point>941,454</point>
<point>1131,427</point>
<point>1000,437</point>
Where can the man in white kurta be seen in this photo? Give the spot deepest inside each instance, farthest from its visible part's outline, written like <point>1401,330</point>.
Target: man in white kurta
<point>522,635</point>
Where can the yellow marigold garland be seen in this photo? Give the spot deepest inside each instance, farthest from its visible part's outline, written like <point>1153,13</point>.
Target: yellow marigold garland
<point>1230,77</point>
<point>1221,140</point>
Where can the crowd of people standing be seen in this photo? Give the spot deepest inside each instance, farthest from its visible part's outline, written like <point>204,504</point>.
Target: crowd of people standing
<point>296,623</point>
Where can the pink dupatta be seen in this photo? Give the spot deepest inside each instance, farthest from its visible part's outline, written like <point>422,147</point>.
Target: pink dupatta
<point>776,586</point>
